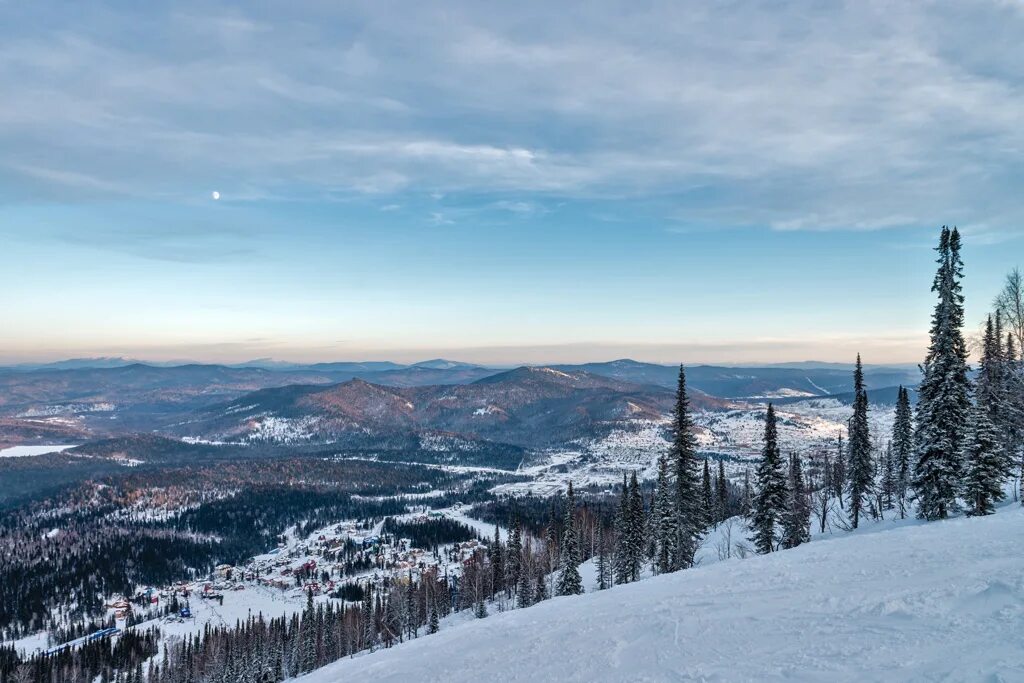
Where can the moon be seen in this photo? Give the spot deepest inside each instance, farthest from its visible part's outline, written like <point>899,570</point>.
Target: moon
<point>215,194</point>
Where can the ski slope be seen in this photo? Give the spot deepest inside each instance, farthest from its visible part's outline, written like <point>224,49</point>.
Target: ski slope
<point>924,602</point>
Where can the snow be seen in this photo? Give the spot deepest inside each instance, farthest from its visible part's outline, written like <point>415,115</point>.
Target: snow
<point>25,451</point>
<point>909,602</point>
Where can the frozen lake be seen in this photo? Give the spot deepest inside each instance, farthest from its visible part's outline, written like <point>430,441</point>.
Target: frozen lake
<point>23,451</point>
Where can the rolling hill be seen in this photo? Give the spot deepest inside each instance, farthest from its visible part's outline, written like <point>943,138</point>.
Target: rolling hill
<point>527,406</point>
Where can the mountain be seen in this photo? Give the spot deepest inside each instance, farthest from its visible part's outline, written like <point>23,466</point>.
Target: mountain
<point>751,382</point>
<point>938,601</point>
<point>442,364</point>
<point>527,406</point>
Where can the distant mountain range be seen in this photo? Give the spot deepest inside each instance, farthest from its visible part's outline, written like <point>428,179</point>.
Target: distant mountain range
<point>89,398</point>
<point>527,406</point>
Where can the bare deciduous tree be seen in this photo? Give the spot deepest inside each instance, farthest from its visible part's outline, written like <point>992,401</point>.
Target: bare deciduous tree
<point>1010,304</point>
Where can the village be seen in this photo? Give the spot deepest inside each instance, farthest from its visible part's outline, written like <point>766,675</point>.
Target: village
<point>337,562</point>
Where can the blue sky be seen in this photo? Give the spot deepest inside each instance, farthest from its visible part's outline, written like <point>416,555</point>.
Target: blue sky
<point>723,182</point>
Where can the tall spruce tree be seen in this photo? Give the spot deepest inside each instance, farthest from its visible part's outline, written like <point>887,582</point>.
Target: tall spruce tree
<point>769,503</point>
<point>860,468</point>
<point>707,501</point>
<point>636,526</point>
<point>690,514</point>
<point>985,450</point>
<point>903,447</point>
<point>514,557</point>
<point>796,523</point>
<point>984,463</point>
<point>944,393</point>
<point>839,472</point>
<point>990,388</point>
<point>889,482</point>
<point>664,518</point>
<point>621,559</point>
<point>569,581</point>
<point>722,492</point>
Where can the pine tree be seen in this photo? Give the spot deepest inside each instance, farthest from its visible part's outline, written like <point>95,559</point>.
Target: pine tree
<point>985,450</point>
<point>514,557</point>
<point>839,472</point>
<point>990,390</point>
<point>748,495</point>
<point>722,492</point>
<point>889,482</point>
<point>434,621</point>
<point>944,393</point>
<point>797,520</point>
<point>707,502</point>
<point>570,582</point>
<point>622,525</point>
<point>984,463</point>
<point>636,525</point>
<point>497,553</point>
<point>690,514</point>
<point>664,516</point>
<point>769,503</point>
<point>860,469</point>
<point>903,447</point>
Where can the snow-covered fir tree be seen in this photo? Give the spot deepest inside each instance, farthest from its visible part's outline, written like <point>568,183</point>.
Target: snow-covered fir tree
<point>721,493</point>
<point>691,520</point>
<point>889,480</point>
<point>903,447</point>
<point>664,519</point>
<point>860,470</point>
<point>944,393</point>
<point>513,558</point>
<point>770,498</point>
<point>796,522</point>
<point>985,456</point>
<point>984,464</point>
<point>569,581</point>
<point>707,501</point>
<point>621,559</point>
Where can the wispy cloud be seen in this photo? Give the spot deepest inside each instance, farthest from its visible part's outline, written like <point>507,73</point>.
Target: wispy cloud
<point>798,117</point>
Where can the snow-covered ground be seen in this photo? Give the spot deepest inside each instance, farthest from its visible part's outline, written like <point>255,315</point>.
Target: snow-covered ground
<point>805,427</point>
<point>905,601</point>
<point>25,451</point>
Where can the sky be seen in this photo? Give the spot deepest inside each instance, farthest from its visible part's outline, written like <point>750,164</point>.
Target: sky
<point>501,182</point>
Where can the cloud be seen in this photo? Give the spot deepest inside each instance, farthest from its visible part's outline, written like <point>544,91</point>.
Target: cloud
<point>803,116</point>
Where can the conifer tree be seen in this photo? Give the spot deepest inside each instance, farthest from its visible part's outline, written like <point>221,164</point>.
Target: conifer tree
<point>722,492</point>
<point>903,447</point>
<point>690,514</point>
<point>839,472</point>
<point>889,481</point>
<point>944,393</point>
<point>769,503</point>
<point>707,501</point>
<point>664,518</point>
<point>985,450</point>
<point>797,519</point>
<point>570,582</point>
<point>635,526</point>
<point>860,468</point>
<point>990,390</point>
<point>514,557</point>
<point>622,524</point>
<point>984,463</point>
<point>748,495</point>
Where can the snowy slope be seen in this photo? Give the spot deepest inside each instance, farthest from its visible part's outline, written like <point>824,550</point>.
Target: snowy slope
<point>923,602</point>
